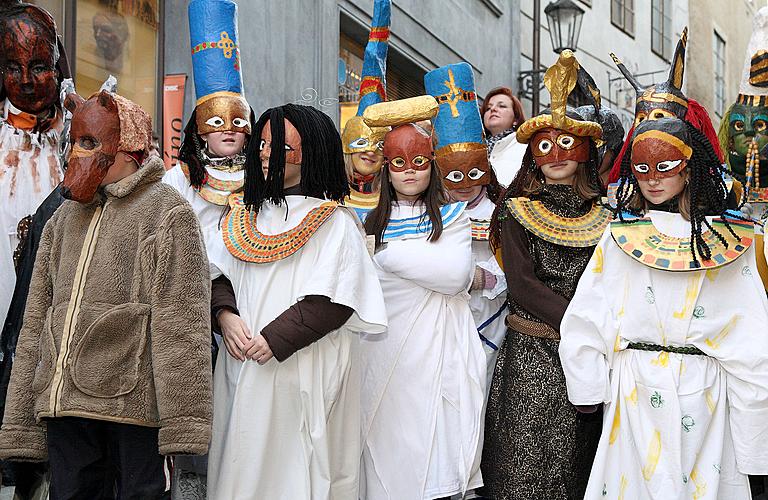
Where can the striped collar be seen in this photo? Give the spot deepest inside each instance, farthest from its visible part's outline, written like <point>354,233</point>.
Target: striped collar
<point>412,222</point>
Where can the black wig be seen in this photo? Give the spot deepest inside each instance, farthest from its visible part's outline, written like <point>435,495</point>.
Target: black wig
<point>322,160</point>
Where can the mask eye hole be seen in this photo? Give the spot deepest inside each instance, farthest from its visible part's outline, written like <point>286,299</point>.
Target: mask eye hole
<point>359,143</point>
<point>398,162</point>
<point>419,161</point>
<point>759,125</point>
<point>261,145</point>
<point>566,141</point>
<point>666,166</point>
<point>738,126</point>
<point>641,168</point>
<point>88,142</point>
<point>545,146</point>
<point>288,148</point>
<point>240,123</point>
<point>475,174</point>
<point>455,176</point>
<point>215,121</point>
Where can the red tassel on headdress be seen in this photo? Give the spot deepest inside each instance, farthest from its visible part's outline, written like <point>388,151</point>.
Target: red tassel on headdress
<point>698,117</point>
<point>616,169</point>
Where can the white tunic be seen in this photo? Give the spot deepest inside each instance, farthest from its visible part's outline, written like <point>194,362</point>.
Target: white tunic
<point>29,171</point>
<point>676,426</point>
<point>424,380</point>
<point>506,158</point>
<point>291,430</point>
<point>208,214</point>
<point>489,307</point>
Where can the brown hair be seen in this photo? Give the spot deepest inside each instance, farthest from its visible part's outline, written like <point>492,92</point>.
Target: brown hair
<point>517,106</point>
<point>433,198</point>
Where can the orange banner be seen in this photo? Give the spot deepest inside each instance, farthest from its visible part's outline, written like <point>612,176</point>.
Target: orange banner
<point>173,115</point>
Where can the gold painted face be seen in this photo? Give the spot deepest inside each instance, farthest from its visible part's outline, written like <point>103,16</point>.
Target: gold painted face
<point>223,113</point>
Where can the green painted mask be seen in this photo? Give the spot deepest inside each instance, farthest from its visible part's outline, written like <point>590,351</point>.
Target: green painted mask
<point>747,124</point>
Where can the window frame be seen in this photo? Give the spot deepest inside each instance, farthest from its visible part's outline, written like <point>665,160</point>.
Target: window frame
<point>621,10</point>
<point>719,60</point>
<point>664,9</point>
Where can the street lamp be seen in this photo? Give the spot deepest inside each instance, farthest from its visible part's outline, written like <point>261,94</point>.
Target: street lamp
<point>564,21</point>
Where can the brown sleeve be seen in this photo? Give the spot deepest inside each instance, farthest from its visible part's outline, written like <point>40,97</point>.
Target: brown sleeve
<point>303,323</point>
<point>222,297</point>
<point>523,287</point>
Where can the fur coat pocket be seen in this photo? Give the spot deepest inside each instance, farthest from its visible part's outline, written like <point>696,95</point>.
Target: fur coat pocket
<point>47,360</point>
<point>108,359</point>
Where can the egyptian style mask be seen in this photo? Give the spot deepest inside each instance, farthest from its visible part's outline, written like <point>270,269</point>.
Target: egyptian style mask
<point>408,147</point>
<point>460,148</point>
<point>665,99</point>
<point>221,105</point>
<point>101,127</point>
<point>561,133</point>
<point>291,143</point>
<point>357,136</point>
<point>660,149</point>
<point>746,137</point>
<point>28,56</point>
<point>551,145</point>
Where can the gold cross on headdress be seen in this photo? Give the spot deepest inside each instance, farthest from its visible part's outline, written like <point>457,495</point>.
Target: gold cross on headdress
<point>454,95</point>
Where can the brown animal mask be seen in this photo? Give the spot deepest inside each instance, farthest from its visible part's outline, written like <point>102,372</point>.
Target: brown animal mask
<point>28,56</point>
<point>101,127</point>
<point>408,147</point>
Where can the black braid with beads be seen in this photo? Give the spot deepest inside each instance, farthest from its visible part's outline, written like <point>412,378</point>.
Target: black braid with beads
<point>708,193</point>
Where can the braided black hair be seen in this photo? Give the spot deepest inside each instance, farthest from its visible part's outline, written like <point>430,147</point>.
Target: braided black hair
<point>706,191</point>
<point>322,159</point>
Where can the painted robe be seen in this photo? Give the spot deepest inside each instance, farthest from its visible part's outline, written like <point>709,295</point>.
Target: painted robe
<point>291,430</point>
<point>29,171</point>
<point>424,380</point>
<point>489,307</point>
<point>676,425</point>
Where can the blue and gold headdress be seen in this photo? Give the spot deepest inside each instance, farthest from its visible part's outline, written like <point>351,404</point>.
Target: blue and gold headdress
<point>220,104</point>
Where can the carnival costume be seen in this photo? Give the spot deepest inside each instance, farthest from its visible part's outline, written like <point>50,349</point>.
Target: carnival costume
<point>667,329</point>
<point>206,181</point>
<point>424,381</point>
<point>462,157</point>
<point>289,428</point>
<point>357,136</point>
<point>536,444</point>
<point>116,320</point>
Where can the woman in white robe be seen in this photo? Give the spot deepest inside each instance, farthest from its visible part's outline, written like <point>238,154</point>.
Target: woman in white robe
<point>677,353</point>
<point>424,380</point>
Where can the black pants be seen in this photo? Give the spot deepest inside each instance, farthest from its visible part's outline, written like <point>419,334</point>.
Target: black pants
<point>92,459</point>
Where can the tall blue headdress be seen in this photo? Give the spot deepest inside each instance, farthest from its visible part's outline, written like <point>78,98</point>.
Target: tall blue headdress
<point>216,66</point>
<point>460,148</point>
<point>357,136</point>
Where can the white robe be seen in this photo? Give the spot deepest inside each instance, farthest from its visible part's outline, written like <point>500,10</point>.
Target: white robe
<point>424,380</point>
<point>489,307</point>
<point>290,430</point>
<point>29,171</point>
<point>675,426</point>
<point>208,214</point>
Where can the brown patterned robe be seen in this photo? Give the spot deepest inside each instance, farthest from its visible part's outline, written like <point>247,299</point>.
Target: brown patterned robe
<point>536,445</point>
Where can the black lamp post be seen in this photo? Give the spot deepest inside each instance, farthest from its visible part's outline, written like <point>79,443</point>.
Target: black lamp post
<point>564,21</point>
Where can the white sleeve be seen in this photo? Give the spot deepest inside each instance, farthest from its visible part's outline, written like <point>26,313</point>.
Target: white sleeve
<point>739,342</point>
<point>587,324</point>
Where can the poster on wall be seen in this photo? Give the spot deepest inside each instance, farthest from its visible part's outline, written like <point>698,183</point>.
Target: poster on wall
<point>173,113</point>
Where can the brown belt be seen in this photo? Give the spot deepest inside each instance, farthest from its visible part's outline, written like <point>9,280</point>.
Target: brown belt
<point>532,328</point>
